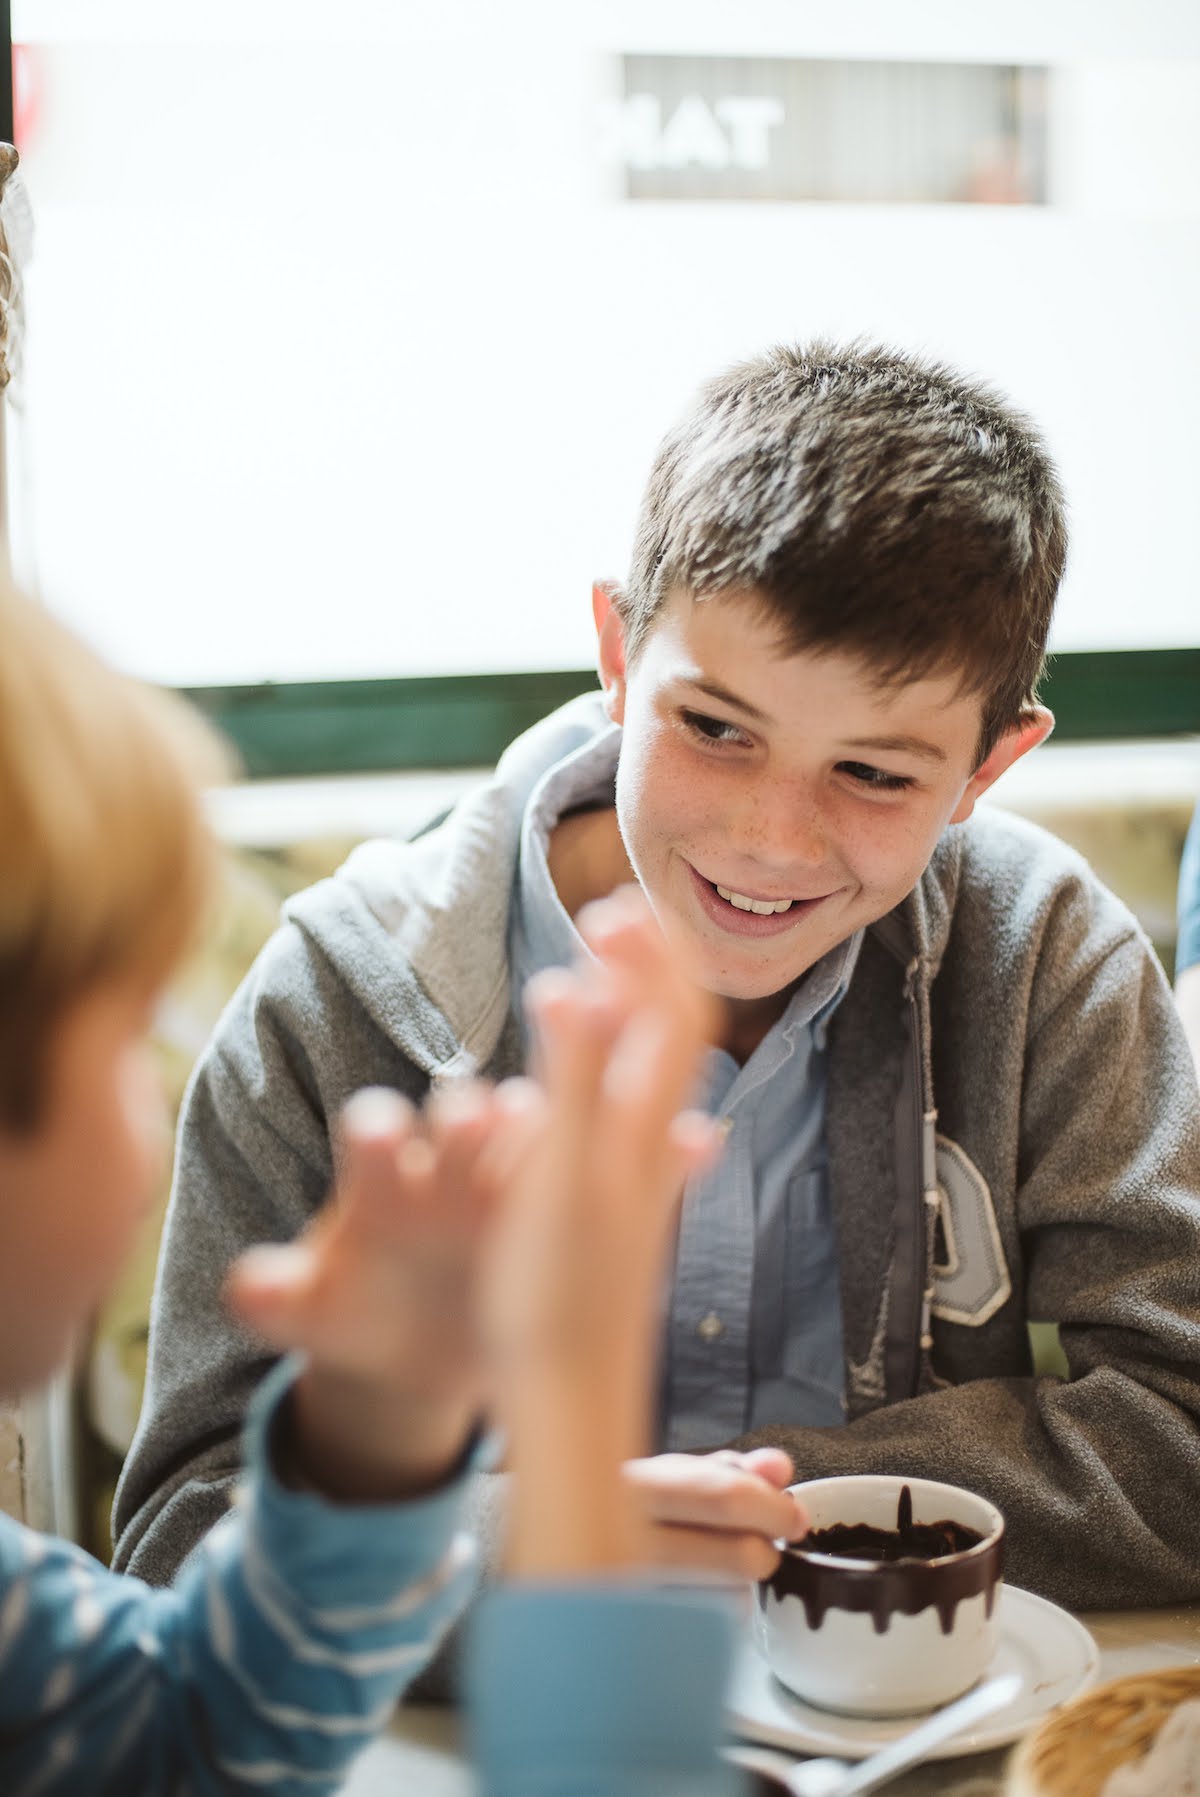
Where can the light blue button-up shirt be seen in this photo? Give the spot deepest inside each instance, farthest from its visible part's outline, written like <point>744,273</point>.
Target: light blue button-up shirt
<point>753,1317</point>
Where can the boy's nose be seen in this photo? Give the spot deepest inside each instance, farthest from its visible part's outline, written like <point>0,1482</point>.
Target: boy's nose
<point>779,829</point>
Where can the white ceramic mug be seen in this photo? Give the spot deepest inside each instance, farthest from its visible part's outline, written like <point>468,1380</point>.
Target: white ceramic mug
<point>883,1639</point>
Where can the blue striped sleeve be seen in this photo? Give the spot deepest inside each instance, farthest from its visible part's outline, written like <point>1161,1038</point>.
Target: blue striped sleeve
<point>279,1652</point>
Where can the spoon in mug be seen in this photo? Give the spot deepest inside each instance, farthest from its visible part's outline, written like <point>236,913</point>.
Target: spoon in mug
<point>849,1778</point>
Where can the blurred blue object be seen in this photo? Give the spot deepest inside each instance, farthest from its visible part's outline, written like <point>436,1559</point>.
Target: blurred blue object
<point>1187,952</point>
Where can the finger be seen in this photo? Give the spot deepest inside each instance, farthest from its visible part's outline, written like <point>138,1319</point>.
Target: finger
<point>268,1288</point>
<point>703,1551</point>
<point>709,1492</point>
<point>652,1059</point>
<point>698,1142</point>
<point>460,1119</point>
<point>631,954</point>
<point>651,1073</point>
<point>375,1114</point>
<point>624,936</point>
<point>460,1105</point>
<point>576,1024</point>
<point>624,933</point>
<point>520,1098</point>
<point>773,1464</point>
<point>690,1146</point>
<point>654,1064</point>
<point>778,1469</point>
<point>546,990</point>
<point>390,1191</point>
<point>520,1114</point>
<point>372,1130</point>
<point>617,919</point>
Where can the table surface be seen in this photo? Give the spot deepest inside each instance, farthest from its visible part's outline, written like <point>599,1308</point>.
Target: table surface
<point>421,1755</point>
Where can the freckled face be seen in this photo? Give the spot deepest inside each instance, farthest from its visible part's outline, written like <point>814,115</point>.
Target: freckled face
<point>74,1192</point>
<point>751,777</point>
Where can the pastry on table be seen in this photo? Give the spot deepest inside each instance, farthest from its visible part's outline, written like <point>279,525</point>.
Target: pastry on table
<point>1137,1736</point>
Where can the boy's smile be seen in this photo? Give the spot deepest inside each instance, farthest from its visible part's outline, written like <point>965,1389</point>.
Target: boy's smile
<point>773,803</point>
<point>752,914</point>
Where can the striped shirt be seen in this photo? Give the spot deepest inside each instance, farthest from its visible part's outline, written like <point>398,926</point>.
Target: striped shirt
<point>279,1652</point>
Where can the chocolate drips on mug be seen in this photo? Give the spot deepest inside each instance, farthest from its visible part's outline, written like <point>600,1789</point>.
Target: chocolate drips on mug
<point>906,1569</point>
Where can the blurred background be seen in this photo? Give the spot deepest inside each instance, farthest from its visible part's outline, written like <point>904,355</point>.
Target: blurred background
<point>353,328</point>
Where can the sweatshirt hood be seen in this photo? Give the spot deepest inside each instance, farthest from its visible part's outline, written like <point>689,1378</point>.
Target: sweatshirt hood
<point>419,930</point>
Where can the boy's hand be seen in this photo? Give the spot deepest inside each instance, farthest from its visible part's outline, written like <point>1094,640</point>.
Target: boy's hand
<point>718,1513</point>
<point>379,1292</point>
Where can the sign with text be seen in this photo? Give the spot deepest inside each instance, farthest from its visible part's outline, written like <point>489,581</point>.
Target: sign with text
<point>780,128</point>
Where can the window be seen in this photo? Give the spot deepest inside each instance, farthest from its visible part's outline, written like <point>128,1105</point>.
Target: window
<point>352,331</point>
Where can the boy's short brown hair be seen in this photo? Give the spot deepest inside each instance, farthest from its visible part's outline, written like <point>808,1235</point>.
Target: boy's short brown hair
<point>879,505</point>
<point>105,857</point>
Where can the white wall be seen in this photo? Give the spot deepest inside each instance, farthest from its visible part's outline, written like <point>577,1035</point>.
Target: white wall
<point>345,360</point>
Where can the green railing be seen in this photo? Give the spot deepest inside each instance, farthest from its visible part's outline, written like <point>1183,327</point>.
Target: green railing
<point>465,720</point>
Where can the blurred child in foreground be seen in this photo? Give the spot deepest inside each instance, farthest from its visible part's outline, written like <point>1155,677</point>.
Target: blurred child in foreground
<point>485,1255</point>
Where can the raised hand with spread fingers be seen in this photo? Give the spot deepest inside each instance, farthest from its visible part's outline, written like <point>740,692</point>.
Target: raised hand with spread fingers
<point>380,1294</point>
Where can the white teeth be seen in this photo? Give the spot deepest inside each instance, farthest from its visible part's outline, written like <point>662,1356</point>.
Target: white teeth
<point>761,907</point>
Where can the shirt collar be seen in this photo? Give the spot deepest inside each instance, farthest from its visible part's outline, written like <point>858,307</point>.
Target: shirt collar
<point>541,933</point>
<point>823,989</point>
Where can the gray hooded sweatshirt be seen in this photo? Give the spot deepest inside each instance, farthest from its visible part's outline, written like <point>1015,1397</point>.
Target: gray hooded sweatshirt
<point>1013,1135</point>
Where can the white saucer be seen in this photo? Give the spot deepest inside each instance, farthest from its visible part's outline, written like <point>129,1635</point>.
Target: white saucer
<point>1054,1654</point>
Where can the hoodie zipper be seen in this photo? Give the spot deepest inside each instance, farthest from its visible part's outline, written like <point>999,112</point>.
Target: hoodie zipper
<point>909,1321</point>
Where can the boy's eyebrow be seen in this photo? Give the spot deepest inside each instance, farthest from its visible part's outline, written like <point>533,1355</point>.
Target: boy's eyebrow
<point>724,696</point>
<point>903,745</point>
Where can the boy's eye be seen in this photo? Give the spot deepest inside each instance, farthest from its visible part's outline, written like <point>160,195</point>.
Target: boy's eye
<point>875,776</point>
<point>712,730</point>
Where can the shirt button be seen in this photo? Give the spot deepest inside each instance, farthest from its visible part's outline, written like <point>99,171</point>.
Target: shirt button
<point>709,1327</point>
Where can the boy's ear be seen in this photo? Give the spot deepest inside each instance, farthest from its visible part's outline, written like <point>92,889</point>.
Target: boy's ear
<point>610,637</point>
<point>1016,741</point>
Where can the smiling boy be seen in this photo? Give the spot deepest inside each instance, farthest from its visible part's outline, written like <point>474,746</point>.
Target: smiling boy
<point>956,1095</point>
<point>775,811</point>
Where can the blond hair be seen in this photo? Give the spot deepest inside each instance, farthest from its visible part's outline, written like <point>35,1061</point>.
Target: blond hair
<point>106,861</point>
